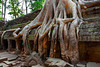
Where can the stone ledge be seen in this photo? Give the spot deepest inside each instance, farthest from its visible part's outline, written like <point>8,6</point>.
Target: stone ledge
<point>3,59</point>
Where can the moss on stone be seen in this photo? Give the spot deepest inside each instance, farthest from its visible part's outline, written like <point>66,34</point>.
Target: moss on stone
<point>91,18</point>
<point>21,25</point>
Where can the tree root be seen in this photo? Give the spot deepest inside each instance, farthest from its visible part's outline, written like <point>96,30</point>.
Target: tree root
<point>57,22</point>
<point>2,36</point>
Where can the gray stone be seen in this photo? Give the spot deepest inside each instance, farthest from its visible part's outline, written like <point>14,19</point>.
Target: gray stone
<point>3,59</point>
<point>54,62</point>
<point>3,65</point>
<point>81,65</point>
<point>8,55</point>
<point>13,64</point>
<point>12,57</point>
<point>38,65</point>
<point>93,64</point>
<point>7,62</point>
<point>32,63</point>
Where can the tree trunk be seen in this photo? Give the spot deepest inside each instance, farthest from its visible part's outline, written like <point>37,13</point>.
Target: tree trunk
<point>2,10</point>
<point>26,6</point>
<point>5,11</point>
<point>58,22</point>
<point>31,1</point>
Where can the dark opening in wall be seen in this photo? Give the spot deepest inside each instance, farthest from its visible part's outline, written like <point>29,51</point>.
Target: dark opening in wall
<point>21,45</point>
<point>5,44</point>
<point>89,51</point>
<point>13,44</point>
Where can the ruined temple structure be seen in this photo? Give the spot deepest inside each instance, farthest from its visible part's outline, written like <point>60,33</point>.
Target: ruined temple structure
<point>64,29</point>
<point>13,24</point>
<point>89,34</point>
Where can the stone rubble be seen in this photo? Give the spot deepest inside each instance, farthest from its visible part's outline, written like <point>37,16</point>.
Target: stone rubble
<point>28,60</point>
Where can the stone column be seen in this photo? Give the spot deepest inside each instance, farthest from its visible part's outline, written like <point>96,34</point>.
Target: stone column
<point>18,44</point>
<point>9,44</point>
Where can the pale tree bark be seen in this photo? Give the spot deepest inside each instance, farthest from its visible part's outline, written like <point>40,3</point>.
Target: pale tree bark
<point>5,10</point>
<point>2,9</point>
<point>31,1</point>
<point>26,6</point>
<point>31,4</point>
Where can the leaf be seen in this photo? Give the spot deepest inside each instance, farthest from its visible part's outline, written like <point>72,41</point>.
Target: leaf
<point>38,4</point>
<point>10,13</point>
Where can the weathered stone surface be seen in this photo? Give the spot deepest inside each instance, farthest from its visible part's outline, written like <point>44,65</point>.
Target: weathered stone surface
<point>8,35</point>
<point>7,62</point>
<point>18,62</point>
<point>54,62</point>
<point>13,63</point>
<point>93,64</point>
<point>38,65</point>
<point>3,65</point>
<point>91,12</point>
<point>12,57</point>
<point>8,55</point>
<point>81,65</point>
<point>32,63</point>
<point>3,59</point>
<point>90,31</point>
<point>21,59</point>
<point>33,59</point>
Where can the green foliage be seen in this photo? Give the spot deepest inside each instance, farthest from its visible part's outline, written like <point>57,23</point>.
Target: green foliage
<point>0,1</point>
<point>1,18</point>
<point>14,5</point>
<point>38,4</point>
<point>0,10</point>
<point>0,7</point>
<point>14,8</point>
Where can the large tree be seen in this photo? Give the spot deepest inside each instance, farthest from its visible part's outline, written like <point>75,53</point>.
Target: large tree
<point>57,23</point>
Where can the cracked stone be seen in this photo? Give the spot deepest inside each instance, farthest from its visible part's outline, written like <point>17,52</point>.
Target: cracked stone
<point>3,59</point>
<point>54,62</point>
